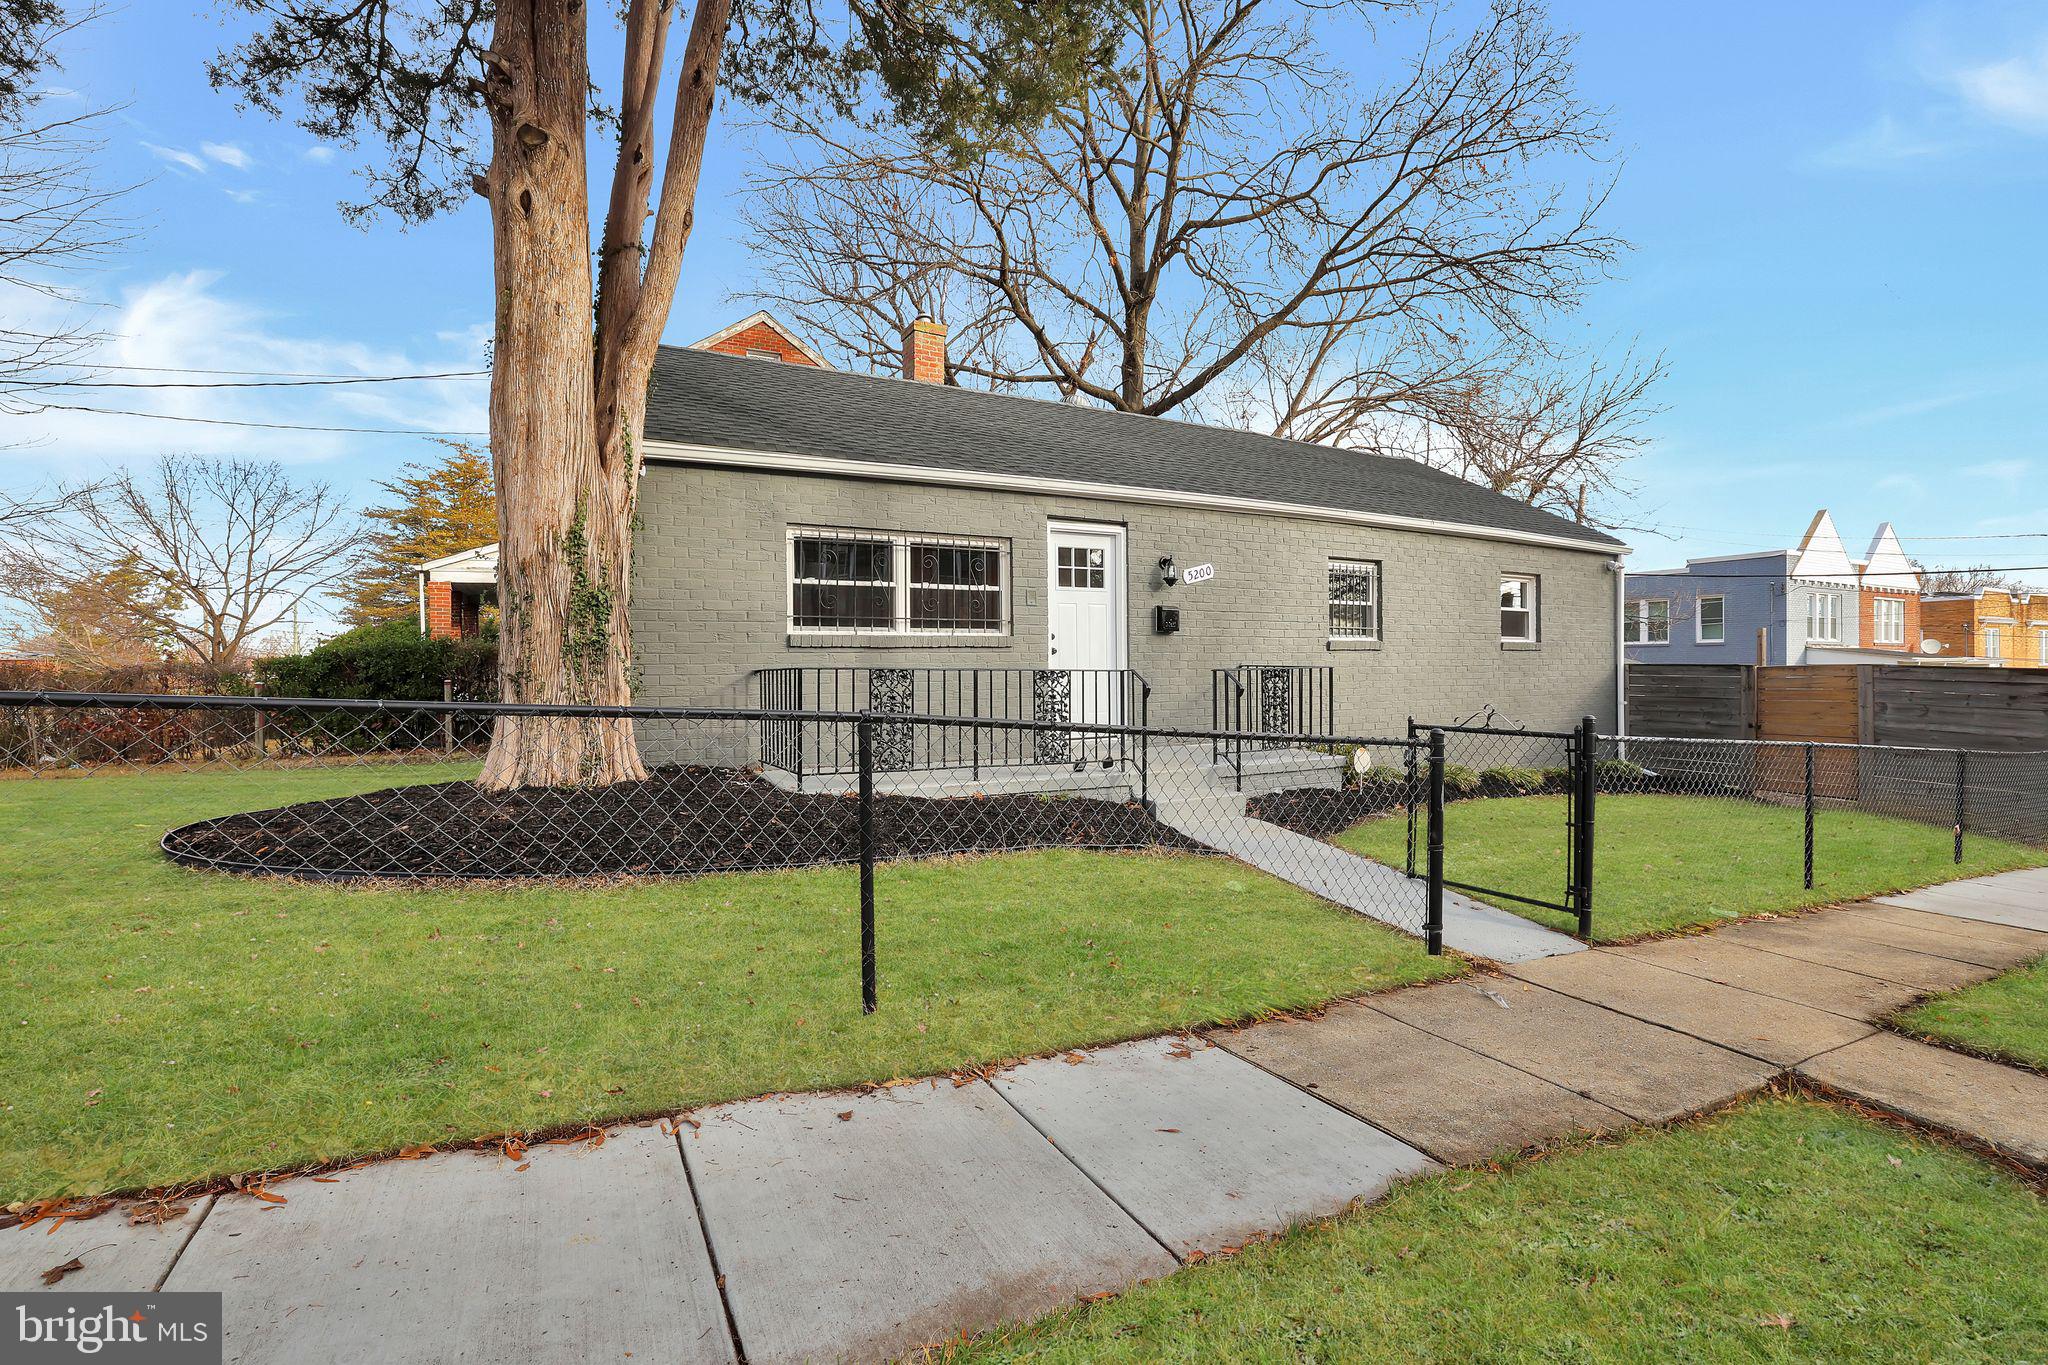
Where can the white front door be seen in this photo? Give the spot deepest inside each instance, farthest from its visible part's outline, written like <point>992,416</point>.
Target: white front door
<point>1085,619</point>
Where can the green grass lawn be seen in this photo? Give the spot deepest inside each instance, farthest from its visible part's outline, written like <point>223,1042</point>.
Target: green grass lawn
<point>1675,862</point>
<point>1782,1230</point>
<point>2005,1017</point>
<point>166,1024</point>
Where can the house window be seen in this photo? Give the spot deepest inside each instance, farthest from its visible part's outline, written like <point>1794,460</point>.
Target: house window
<point>2044,648</point>
<point>1081,567</point>
<point>1518,608</point>
<point>1713,620</point>
<point>877,583</point>
<point>1354,600</point>
<point>1888,621</point>
<point>1647,622</point>
<point>755,353</point>
<point>1824,617</point>
<point>1994,647</point>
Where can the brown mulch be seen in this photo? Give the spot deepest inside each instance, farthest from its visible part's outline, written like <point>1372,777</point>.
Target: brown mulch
<point>1320,812</point>
<point>682,821</point>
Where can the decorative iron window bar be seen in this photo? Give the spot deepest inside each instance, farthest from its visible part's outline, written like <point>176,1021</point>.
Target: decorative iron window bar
<point>845,582</point>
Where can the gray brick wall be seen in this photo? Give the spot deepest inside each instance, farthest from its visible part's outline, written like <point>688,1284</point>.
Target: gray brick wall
<point>708,603</point>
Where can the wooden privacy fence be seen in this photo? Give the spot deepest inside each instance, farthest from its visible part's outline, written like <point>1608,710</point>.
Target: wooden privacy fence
<point>1998,709</point>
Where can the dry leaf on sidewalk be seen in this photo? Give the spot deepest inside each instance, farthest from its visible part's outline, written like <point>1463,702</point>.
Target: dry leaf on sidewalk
<point>58,1272</point>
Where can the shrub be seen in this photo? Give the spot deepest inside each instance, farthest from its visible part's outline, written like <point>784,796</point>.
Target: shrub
<point>1460,780</point>
<point>1509,781</point>
<point>388,662</point>
<point>1617,774</point>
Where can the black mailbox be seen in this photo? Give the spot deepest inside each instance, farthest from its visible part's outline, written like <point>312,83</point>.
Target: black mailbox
<point>1166,620</point>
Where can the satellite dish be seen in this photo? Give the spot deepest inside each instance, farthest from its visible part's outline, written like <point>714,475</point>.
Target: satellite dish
<point>1930,646</point>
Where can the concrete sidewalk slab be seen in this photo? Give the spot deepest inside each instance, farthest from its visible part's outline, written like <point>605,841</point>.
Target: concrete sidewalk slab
<point>1977,930</point>
<point>1955,938</point>
<point>1649,1073</point>
<point>591,1253</point>
<point>1760,1026</point>
<point>2022,908</point>
<point>1849,994</point>
<point>1820,942</point>
<point>2002,1105</point>
<point>117,1257</point>
<point>1447,1100</point>
<point>927,1211</point>
<point>1203,1148</point>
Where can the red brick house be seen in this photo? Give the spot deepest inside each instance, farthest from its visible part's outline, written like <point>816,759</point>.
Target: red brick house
<point>455,589</point>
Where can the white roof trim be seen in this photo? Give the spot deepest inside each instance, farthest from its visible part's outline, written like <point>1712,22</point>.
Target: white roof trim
<point>675,452</point>
<point>767,319</point>
<point>461,558</point>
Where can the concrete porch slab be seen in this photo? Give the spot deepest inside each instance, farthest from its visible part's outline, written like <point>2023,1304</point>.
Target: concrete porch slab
<point>1456,1104</point>
<point>1203,1148</point>
<point>1963,940</point>
<point>589,1254</point>
<point>117,1257</point>
<point>1848,994</point>
<point>1649,1073</point>
<point>1820,941</point>
<point>1760,1026</point>
<point>925,1211</point>
<point>2002,1105</point>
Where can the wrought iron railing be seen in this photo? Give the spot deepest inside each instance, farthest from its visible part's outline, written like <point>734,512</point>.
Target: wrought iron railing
<point>1114,698</point>
<point>1268,699</point>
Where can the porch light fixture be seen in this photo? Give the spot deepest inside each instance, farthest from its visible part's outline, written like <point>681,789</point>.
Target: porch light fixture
<point>1167,576</point>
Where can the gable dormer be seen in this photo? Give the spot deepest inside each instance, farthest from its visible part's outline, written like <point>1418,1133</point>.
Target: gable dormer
<point>1886,567</point>
<point>1821,556</point>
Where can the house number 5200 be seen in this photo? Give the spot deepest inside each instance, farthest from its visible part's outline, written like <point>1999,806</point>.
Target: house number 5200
<point>1199,573</point>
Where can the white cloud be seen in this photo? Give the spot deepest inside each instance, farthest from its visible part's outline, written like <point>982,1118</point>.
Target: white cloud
<point>319,153</point>
<point>177,156</point>
<point>1888,141</point>
<point>2000,471</point>
<point>2013,92</point>
<point>244,196</point>
<point>227,154</point>
<point>189,321</point>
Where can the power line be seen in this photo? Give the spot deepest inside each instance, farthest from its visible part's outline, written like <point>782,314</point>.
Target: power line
<point>269,374</point>
<point>1924,571</point>
<point>33,386</point>
<point>270,426</point>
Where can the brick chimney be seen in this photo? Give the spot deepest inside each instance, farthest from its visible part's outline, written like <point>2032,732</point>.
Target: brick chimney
<point>924,351</point>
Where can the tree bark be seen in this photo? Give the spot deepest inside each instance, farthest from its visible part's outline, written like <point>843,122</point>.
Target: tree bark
<point>563,519</point>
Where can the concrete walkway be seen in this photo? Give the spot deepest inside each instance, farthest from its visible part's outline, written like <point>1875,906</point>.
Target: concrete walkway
<point>1216,817</point>
<point>859,1227</point>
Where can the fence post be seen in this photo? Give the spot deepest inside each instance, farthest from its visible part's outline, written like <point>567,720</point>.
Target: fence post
<point>864,742</point>
<point>1809,817</point>
<point>1433,923</point>
<point>1145,745</point>
<point>1414,777</point>
<point>1962,790</point>
<point>447,719</point>
<point>1582,853</point>
<point>256,689</point>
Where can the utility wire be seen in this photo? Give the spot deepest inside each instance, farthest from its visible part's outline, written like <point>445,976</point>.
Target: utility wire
<point>270,426</point>
<point>259,374</point>
<point>36,386</point>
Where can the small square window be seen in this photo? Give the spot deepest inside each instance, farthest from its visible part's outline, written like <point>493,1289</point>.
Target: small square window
<point>1647,622</point>
<point>1354,599</point>
<point>1518,608</point>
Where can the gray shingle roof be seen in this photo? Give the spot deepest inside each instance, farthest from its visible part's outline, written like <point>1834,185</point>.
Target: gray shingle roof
<point>701,398</point>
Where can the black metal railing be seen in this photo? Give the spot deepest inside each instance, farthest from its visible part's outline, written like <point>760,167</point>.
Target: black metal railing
<point>1259,703</point>
<point>1072,701</point>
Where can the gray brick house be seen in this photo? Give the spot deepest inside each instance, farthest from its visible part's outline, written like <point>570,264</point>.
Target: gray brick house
<point>811,539</point>
<point>852,537</point>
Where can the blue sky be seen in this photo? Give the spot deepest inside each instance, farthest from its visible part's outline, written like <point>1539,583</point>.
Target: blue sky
<point>1837,210</point>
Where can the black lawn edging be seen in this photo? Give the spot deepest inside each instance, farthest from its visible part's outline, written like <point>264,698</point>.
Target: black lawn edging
<point>682,821</point>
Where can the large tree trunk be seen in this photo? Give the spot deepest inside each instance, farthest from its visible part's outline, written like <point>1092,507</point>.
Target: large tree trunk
<point>564,518</point>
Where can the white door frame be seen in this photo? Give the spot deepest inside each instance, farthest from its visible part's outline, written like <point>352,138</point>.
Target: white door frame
<point>1119,592</point>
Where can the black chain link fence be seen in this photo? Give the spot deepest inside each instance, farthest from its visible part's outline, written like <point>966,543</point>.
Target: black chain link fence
<point>1827,799</point>
<point>348,790</point>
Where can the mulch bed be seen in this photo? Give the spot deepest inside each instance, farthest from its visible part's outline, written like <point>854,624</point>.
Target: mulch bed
<point>682,821</point>
<point>1320,812</point>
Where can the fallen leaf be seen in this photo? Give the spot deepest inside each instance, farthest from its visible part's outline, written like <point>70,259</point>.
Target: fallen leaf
<point>846,1116</point>
<point>267,1197</point>
<point>1166,1130</point>
<point>1781,1321</point>
<point>58,1272</point>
